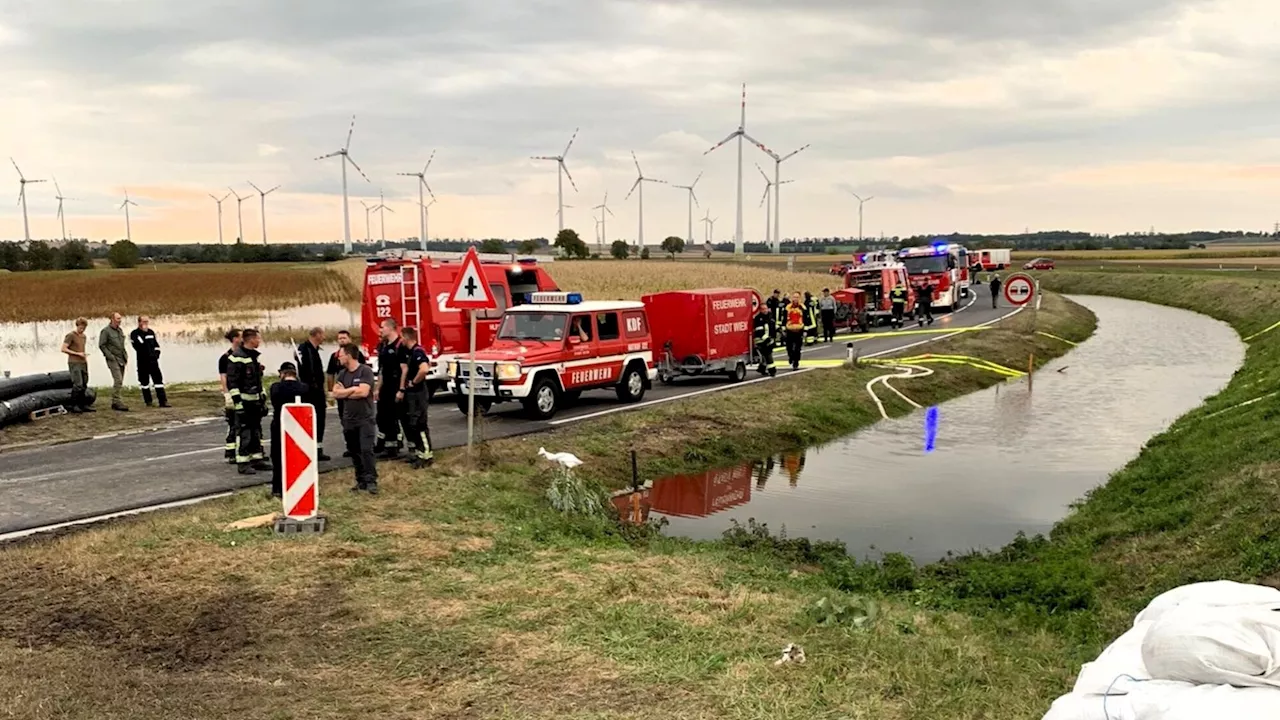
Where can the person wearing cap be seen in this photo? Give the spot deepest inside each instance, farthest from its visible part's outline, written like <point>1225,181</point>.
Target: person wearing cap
<point>283,391</point>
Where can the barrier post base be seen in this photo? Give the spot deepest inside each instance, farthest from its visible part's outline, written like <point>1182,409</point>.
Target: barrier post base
<point>290,526</point>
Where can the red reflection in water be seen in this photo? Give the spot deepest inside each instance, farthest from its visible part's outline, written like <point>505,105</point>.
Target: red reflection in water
<point>703,494</point>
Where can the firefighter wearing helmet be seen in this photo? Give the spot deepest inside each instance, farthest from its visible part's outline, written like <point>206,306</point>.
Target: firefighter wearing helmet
<point>763,332</point>
<point>898,298</point>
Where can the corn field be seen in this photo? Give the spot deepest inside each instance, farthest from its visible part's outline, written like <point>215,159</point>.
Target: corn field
<point>630,279</point>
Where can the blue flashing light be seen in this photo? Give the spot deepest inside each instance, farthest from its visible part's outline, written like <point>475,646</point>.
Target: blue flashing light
<point>930,428</point>
<point>573,298</point>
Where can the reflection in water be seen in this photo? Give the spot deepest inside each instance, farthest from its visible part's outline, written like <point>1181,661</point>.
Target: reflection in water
<point>188,354</point>
<point>1006,459</point>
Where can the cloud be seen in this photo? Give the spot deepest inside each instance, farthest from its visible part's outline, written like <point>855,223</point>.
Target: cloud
<point>887,190</point>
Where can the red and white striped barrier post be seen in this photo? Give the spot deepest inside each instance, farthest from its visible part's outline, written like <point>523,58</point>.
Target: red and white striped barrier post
<point>298,460</point>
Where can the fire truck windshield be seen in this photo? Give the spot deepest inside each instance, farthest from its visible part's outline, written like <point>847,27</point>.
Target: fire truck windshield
<point>922,264</point>
<point>547,327</point>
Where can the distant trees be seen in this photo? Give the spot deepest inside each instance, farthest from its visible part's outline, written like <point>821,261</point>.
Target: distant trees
<point>673,245</point>
<point>527,247</point>
<point>644,253</point>
<point>124,254</point>
<point>75,256</point>
<point>493,245</point>
<point>40,255</point>
<point>619,250</point>
<point>571,245</point>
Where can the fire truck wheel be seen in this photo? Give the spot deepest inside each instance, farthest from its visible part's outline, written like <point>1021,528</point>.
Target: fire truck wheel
<point>482,405</point>
<point>666,379</point>
<point>631,388</point>
<point>544,400</point>
<point>739,372</point>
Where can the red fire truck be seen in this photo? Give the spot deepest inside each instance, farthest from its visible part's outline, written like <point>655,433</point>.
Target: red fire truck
<point>411,290</point>
<point>992,259</point>
<point>875,278</point>
<point>554,348</point>
<point>945,266</point>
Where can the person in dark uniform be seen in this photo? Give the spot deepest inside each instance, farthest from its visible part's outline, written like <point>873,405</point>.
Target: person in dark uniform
<point>355,385</point>
<point>334,366</point>
<point>311,374</point>
<point>763,331</point>
<point>995,289</point>
<point>244,383</point>
<point>284,391</point>
<point>147,348</point>
<point>413,399</point>
<point>775,303</point>
<point>810,318</point>
<point>228,406</point>
<point>898,299</point>
<point>391,363</point>
<point>924,303</point>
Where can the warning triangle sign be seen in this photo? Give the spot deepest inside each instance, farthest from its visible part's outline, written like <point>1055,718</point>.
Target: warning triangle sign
<point>470,291</point>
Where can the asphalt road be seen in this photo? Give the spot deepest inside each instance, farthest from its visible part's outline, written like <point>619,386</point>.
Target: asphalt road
<point>81,481</point>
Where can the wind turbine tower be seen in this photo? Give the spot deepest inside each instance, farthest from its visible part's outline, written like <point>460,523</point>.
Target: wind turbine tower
<point>368,234</point>
<point>764,201</point>
<point>561,172</point>
<point>22,198</point>
<point>382,217</point>
<point>711,228</point>
<point>62,218</point>
<point>740,133</point>
<point>640,181</point>
<point>346,211</point>
<point>861,201</point>
<point>603,207</point>
<point>219,201</point>
<point>239,215</point>
<point>422,207</point>
<point>706,221</point>
<point>693,200</point>
<point>263,196</point>
<point>777,191</point>
<point>128,229</point>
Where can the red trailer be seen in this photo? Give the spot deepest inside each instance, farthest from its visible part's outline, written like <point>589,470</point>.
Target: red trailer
<point>851,309</point>
<point>702,332</point>
<point>704,493</point>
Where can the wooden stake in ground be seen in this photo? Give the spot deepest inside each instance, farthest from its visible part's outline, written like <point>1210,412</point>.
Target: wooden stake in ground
<point>1031,368</point>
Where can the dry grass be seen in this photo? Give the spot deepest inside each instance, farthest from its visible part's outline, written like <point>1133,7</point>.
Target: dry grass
<point>167,289</point>
<point>630,279</point>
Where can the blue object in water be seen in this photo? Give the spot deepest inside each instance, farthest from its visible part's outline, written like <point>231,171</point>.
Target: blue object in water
<point>930,428</point>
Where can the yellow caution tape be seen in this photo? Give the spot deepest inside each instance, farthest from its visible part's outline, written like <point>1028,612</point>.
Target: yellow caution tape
<point>932,331</point>
<point>1262,332</point>
<point>1059,339</point>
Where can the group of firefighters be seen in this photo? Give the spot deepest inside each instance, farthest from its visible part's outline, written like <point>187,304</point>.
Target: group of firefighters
<point>379,412</point>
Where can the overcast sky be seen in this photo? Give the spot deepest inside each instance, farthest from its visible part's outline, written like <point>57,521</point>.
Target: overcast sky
<point>975,116</point>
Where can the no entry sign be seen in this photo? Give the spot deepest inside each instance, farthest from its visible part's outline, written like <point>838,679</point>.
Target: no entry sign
<point>298,457</point>
<point>1019,289</point>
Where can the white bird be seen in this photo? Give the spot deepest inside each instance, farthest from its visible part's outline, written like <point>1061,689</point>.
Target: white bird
<point>568,460</point>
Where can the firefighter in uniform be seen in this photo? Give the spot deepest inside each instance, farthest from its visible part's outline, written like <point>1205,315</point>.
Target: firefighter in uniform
<point>762,326</point>
<point>898,298</point>
<point>794,329</point>
<point>412,399</point>
<point>331,370</point>
<point>311,374</point>
<point>284,391</point>
<point>147,348</point>
<point>810,319</point>
<point>244,383</point>
<point>775,303</point>
<point>391,359</point>
<point>924,303</point>
<point>228,406</point>
<point>780,323</point>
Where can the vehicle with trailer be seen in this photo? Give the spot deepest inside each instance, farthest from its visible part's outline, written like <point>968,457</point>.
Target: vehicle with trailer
<point>552,349</point>
<point>410,287</point>
<point>702,332</point>
<point>876,279</point>
<point>945,266</point>
<point>991,259</point>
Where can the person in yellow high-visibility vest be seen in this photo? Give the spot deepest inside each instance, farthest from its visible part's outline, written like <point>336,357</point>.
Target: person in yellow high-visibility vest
<point>898,299</point>
<point>794,329</point>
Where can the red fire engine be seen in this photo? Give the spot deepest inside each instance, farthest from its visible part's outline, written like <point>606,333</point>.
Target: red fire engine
<point>875,276</point>
<point>945,266</point>
<point>554,348</point>
<point>993,259</point>
<point>411,290</point>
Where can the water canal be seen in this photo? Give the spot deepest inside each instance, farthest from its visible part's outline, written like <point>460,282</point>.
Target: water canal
<point>1006,459</point>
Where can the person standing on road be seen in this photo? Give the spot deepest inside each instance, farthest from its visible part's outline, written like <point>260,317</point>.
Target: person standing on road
<point>283,391</point>
<point>795,312</point>
<point>391,362</point>
<point>228,405</point>
<point>995,289</point>
<point>244,382</point>
<point>413,399</point>
<point>898,299</point>
<point>762,327</point>
<point>147,348</point>
<point>111,343</point>
<point>332,369</point>
<point>355,386</point>
<point>776,305</point>
<point>311,374</point>
<point>810,319</point>
<point>73,346</point>
<point>827,308</point>
<point>924,302</point>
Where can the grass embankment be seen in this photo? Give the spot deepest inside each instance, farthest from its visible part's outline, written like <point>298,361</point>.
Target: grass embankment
<point>167,290</point>
<point>460,593</point>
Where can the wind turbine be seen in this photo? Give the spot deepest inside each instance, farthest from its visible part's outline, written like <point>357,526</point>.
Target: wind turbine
<point>239,216</point>
<point>561,171</point>
<point>740,133</point>
<point>693,200</point>
<point>861,201</point>
<point>368,236</point>
<point>382,216</point>
<point>707,222</point>
<point>264,208</point>
<point>22,198</point>
<point>219,201</point>
<point>777,191</point>
<point>640,181</point>
<point>603,207</point>
<point>61,217</point>
<point>426,219</point>
<point>711,228</point>
<point>422,208</point>
<point>128,230</point>
<point>764,202</point>
<point>346,211</point>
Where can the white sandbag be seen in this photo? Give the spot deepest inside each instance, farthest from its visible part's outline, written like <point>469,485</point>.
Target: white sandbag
<point>1220,593</point>
<point>1161,700</point>
<point>1121,658</point>
<point>1091,707</point>
<point>1215,646</point>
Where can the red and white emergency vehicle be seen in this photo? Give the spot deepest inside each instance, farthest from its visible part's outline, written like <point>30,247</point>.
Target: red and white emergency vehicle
<point>875,274</point>
<point>553,348</point>
<point>991,259</point>
<point>411,289</point>
<point>943,265</point>
<point>702,332</point>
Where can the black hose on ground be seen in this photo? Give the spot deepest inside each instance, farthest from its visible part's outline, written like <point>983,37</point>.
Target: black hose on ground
<point>19,408</point>
<point>16,387</point>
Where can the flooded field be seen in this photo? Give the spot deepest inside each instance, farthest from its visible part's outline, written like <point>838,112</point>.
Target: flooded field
<point>1005,460</point>
<point>190,344</point>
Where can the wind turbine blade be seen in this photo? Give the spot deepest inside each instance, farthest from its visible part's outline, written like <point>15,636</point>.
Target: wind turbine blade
<point>761,145</point>
<point>384,207</point>
<point>610,212</point>
<point>224,197</point>
<point>408,174</point>
<point>15,167</point>
<point>571,139</point>
<point>717,146</point>
<point>427,185</point>
<point>55,186</point>
<point>35,181</point>
<point>869,199</point>
<point>215,197</point>
<point>694,195</point>
<point>349,131</point>
<point>433,157</point>
<point>365,204</point>
<point>233,192</point>
<point>764,175</point>
<point>566,172</point>
<point>255,187</point>
<point>793,152</point>
<point>664,182</point>
<point>765,197</point>
<point>357,167</point>
<point>694,184</point>
<point>633,188</point>
<point>544,157</point>
<point>332,154</point>
<point>856,195</point>
<point>21,192</point>
<point>271,190</point>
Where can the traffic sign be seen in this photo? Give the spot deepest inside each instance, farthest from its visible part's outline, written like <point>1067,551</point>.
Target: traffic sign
<point>298,459</point>
<point>1019,289</point>
<point>470,291</point>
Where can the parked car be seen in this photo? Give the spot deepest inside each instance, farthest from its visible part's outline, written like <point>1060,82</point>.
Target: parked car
<point>1039,264</point>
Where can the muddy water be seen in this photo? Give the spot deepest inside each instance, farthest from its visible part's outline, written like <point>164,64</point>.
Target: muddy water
<point>1007,459</point>
<point>186,354</point>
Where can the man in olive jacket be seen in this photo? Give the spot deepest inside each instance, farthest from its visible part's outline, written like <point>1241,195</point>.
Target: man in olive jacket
<point>112,344</point>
